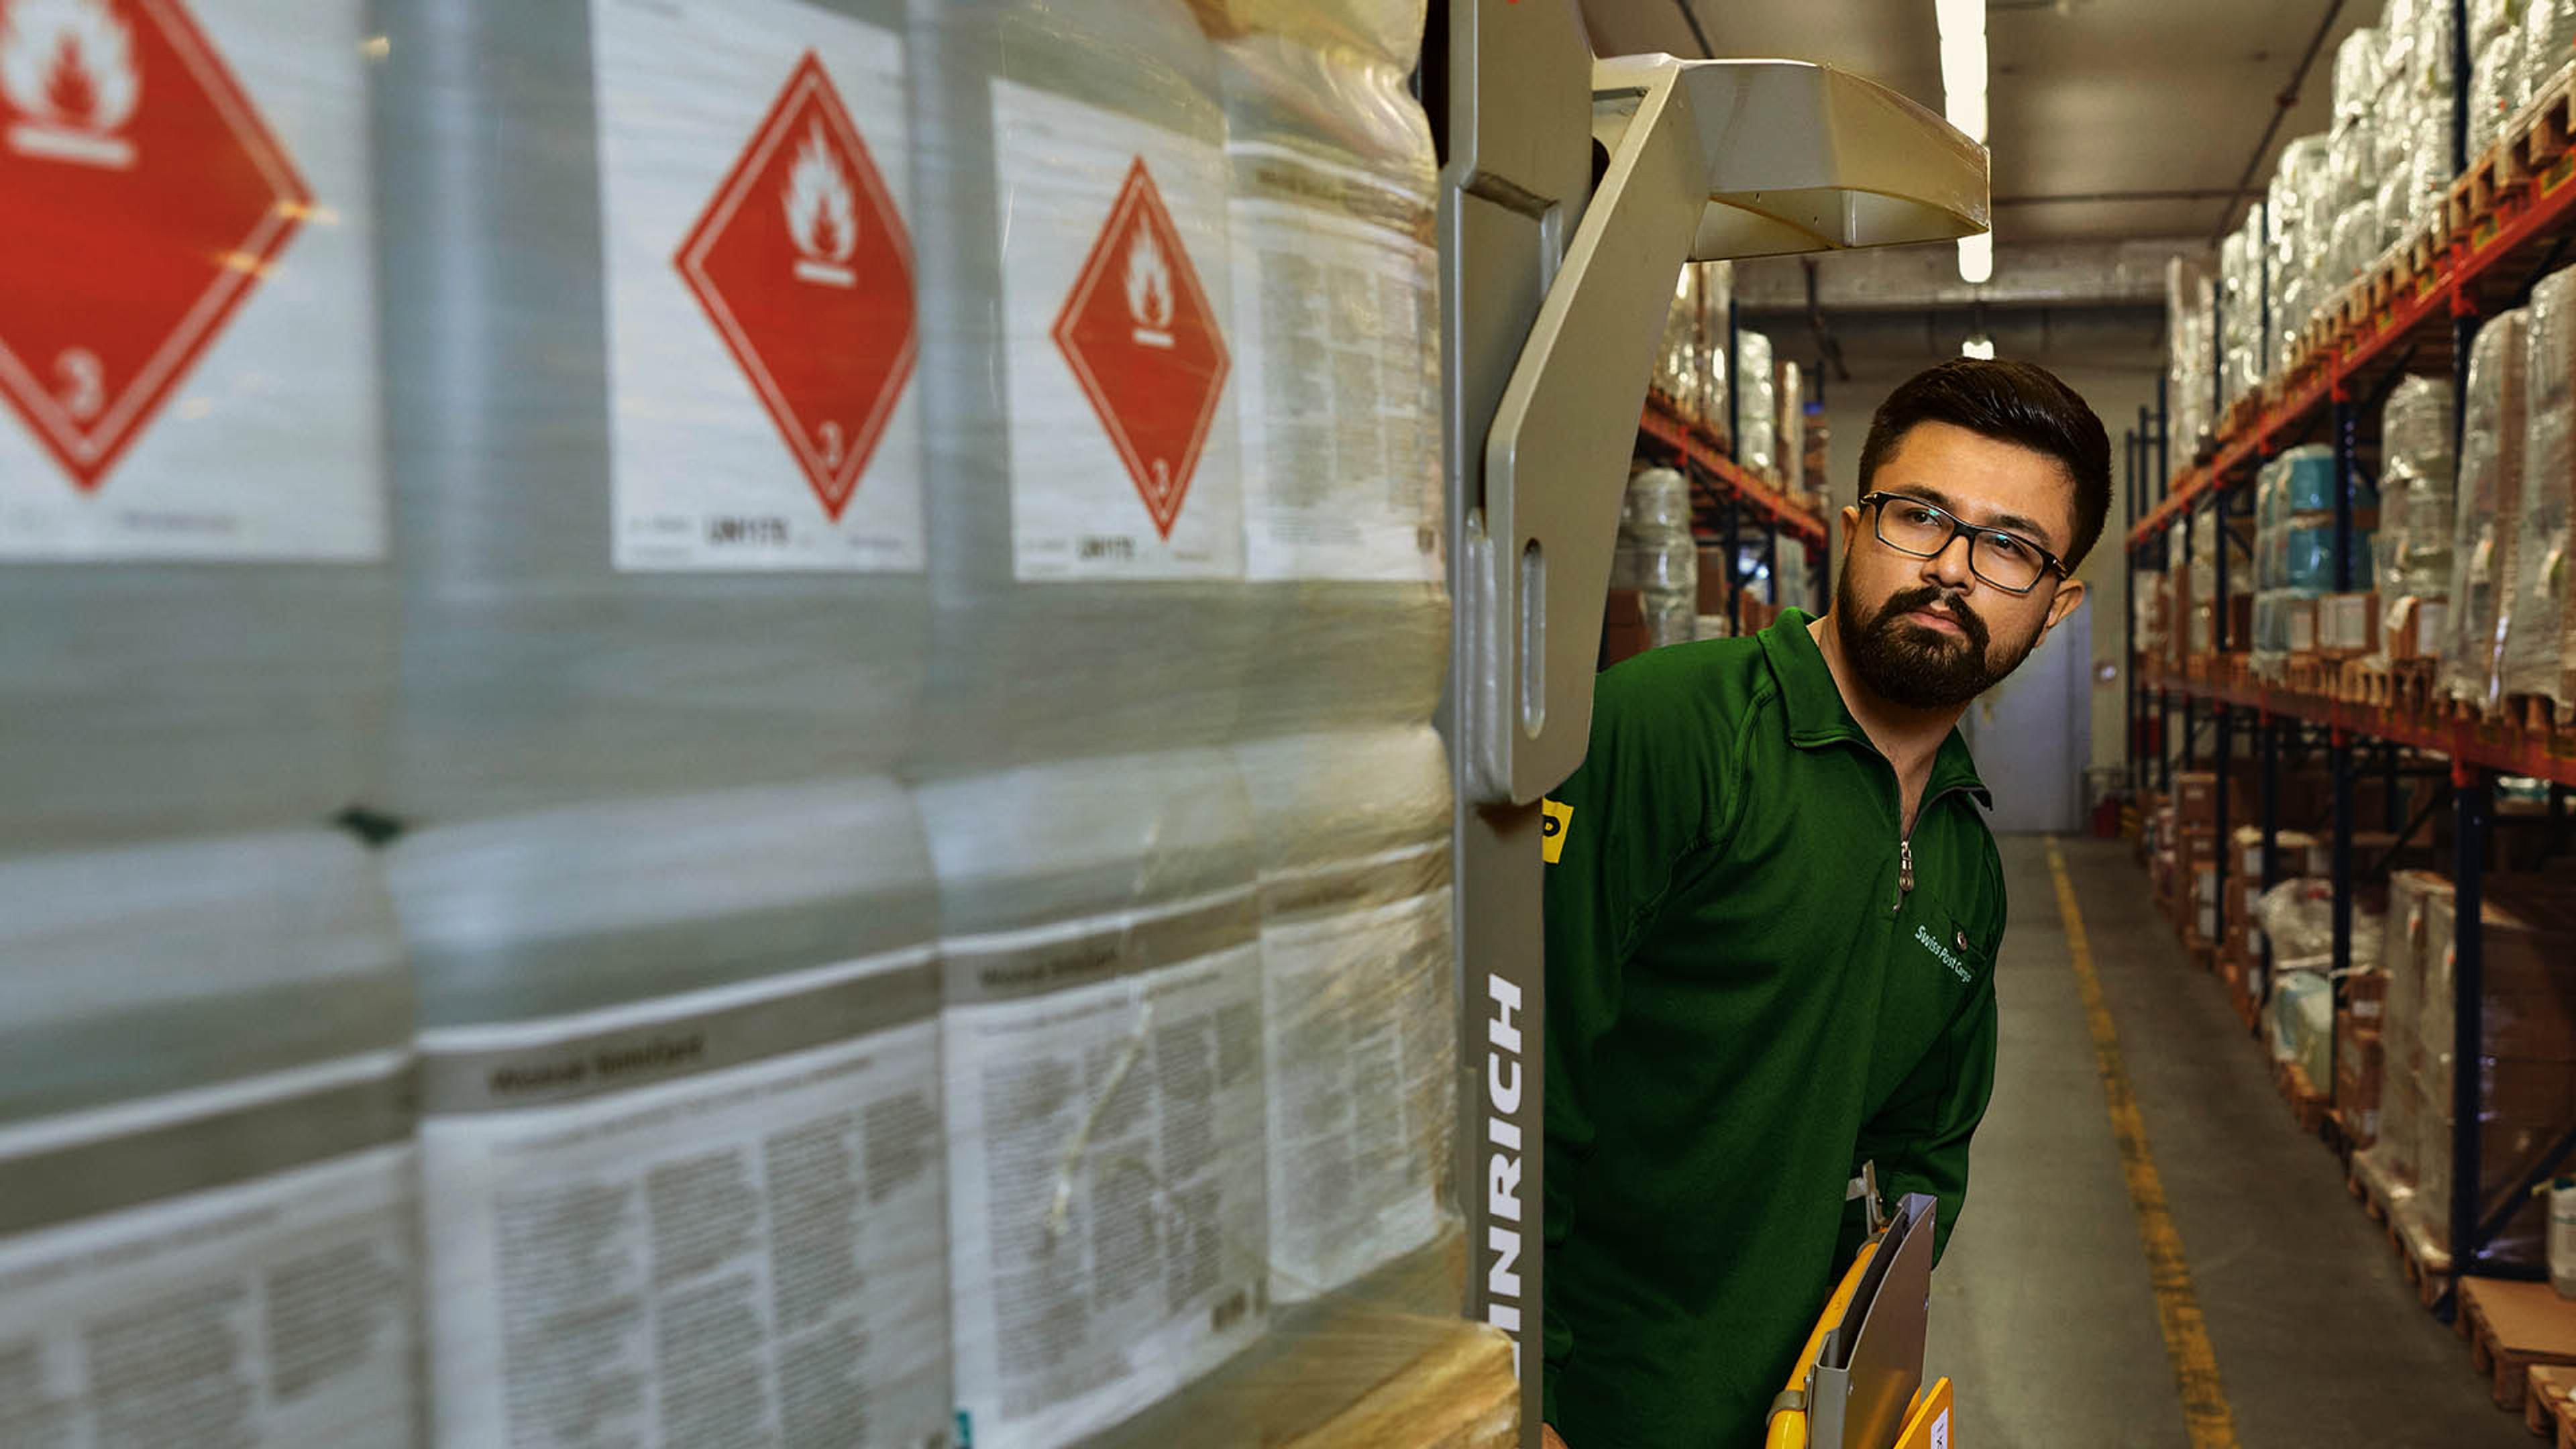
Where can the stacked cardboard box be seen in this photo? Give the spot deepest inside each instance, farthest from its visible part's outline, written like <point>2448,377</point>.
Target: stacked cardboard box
<point>2196,825</point>
<point>2526,1065</point>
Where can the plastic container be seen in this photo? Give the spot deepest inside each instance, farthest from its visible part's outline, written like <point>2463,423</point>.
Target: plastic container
<point>1757,405</point>
<point>1101,1034</point>
<point>1336,388</point>
<point>1358,1000</point>
<point>193,551</point>
<point>679,1067</point>
<point>626,576</point>
<point>206,1163</point>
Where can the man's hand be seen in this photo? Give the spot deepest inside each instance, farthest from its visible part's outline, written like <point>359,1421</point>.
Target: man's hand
<point>1547,1437</point>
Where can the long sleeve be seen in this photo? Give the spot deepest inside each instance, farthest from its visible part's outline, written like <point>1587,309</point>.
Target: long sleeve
<point>1920,1139</point>
<point>1618,829</point>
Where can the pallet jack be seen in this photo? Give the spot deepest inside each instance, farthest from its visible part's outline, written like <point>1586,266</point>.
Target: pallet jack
<point>1859,1380</point>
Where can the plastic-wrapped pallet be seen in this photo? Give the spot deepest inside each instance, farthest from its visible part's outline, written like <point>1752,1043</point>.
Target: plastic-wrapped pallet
<point>208,1188</point>
<point>1656,554</point>
<point>1103,1040</point>
<point>1793,430</point>
<point>2532,623</point>
<point>2351,247</point>
<point>1357,1000</point>
<point>2548,45</point>
<point>2492,438</point>
<point>2189,300</point>
<point>1757,405</point>
<point>1335,382</point>
<point>2359,71</point>
<point>651,324</point>
<point>2392,203</point>
<point>1717,304</point>
<point>2492,85</point>
<point>2526,1063</point>
<point>2425,82</point>
<point>2405,939</point>
<point>2417,467</point>
<point>193,540</point>
<point>2349,159</point>
<point>1677,364</point>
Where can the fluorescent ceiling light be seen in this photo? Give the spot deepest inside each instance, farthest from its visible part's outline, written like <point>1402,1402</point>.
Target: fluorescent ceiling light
<point>1980,346</point>
<point>1977,258</point>
<point>1960,17</point>
<point>1967,112</point>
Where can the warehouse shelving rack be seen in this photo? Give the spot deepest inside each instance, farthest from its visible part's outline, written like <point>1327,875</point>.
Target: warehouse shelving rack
<point>1732,506</point>
<point>2510,220</point>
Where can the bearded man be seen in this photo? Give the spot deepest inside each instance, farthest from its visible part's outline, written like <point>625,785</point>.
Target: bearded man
<point>1772,913</point>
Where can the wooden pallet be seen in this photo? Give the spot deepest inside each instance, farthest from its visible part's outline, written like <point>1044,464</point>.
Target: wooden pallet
<point>2545,1407</point>
<point>2424,1261</point>
<point>2471,208</point>
<point>2314,674</point>
<point>2537,135</point>
<point>2242,415</point>
<point>2365,682</point>
<point>2307,1104</point>
<point>2538,714</point>
<point>2511,1326</point>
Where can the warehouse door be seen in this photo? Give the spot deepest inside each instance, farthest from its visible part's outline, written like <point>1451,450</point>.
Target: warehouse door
<point>2033,734</point>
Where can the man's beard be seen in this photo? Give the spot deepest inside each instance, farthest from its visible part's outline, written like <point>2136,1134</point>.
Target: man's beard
<point>1919,667</point>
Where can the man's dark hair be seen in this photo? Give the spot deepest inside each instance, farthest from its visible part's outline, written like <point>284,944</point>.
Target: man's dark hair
<point>2011,402</point>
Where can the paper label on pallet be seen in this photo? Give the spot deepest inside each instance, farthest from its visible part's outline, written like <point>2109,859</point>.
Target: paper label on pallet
<point>187,320</point>
<point>755,182</point>
<point>697,1238</point>
<point>275,1312</point>
<point>1107,1215</point>
<point>1359,1027</point>
<point>1117,354</point>
<point>1337,323</point>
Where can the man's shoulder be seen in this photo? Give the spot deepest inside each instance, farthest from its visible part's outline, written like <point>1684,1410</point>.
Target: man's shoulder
<point>1711,679</point>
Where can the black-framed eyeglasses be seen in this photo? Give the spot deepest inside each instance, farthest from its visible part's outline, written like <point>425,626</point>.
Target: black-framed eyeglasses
<point>2008,561</point>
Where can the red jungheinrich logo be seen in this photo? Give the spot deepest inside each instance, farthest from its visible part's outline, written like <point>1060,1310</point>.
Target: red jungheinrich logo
<point>145,200</point>
<point>803,266</point>
<point>1143,342</point>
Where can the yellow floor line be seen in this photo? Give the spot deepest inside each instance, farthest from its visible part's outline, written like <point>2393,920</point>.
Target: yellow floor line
<point>2204,1400</point>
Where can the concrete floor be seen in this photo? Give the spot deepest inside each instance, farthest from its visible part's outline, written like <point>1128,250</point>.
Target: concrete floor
<point>2042,1313</point>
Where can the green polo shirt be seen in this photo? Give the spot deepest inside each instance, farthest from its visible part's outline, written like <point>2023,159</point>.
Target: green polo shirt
<point>1743,1005</point>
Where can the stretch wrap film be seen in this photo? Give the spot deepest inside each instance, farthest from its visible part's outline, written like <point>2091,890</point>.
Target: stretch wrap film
<point>2531,624</point>
<point>2527,1048</point>
<point>1656,554</point>
<point>1188,628</point>
<point>2492,437</point>
<point>1717,305</point>
<point>1793,430</point>
<point>2190,295</point>
<point>1678,368</point>
<point>207,1178</point>
<point>2360,69</point>
<point>2548,44</point>
<point>1757,405</point>
<point>2417,470</point>
<point>2491,88</point>
<point>193,539</point>
<point>670,912</point>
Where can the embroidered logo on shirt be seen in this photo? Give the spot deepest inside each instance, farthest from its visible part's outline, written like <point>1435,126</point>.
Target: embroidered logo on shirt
<point>1554,821</point>
<point>1958,968</point>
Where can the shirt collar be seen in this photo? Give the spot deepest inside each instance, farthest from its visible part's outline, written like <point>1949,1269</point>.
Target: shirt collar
<point>1818,716</point>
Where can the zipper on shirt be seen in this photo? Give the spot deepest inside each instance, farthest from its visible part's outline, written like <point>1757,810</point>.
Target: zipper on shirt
<point>1905,850</point>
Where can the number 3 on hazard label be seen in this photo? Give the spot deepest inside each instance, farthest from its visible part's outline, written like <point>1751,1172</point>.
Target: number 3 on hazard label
<point>84,382</point>
<point>1554,821</point>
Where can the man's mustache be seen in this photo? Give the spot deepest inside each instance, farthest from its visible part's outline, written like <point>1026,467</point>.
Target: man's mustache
<point>1938,601</point>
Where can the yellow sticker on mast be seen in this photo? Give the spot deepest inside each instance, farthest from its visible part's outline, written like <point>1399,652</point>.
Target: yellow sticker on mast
<point>1554,821</point>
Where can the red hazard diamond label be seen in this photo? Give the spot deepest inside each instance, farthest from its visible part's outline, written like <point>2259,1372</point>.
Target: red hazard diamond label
<point>1143,343</point>
<point>146,201</point>
<point>803,266</point>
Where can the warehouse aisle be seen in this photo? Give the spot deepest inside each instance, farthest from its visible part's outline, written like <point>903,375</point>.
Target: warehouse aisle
<point>2043,1311</point>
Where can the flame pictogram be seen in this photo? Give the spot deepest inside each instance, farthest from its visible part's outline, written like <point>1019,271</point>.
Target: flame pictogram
<point>820,215</point>
<point>1149,290</point>
<point>67,68</point>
